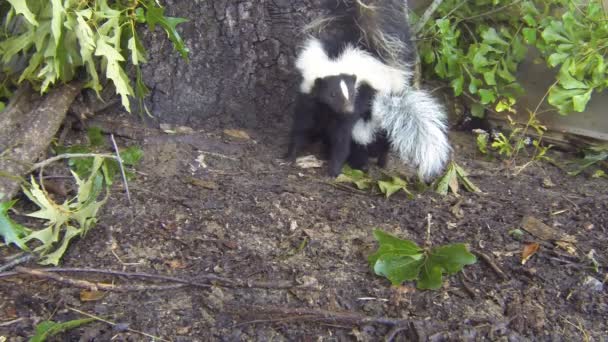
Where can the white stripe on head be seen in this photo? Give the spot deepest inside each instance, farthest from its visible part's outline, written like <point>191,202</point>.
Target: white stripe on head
<point>344,89</point>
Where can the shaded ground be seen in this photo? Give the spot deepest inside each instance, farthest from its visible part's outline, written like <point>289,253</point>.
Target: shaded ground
<point>206,203</point>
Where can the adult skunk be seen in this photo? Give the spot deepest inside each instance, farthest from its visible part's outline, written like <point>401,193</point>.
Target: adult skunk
<point>370,41</point>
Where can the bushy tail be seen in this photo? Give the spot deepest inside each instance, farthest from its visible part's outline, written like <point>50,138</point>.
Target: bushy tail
<point>416,126</point>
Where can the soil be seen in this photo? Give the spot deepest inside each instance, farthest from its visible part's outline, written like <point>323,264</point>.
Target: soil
<point>206,203</point>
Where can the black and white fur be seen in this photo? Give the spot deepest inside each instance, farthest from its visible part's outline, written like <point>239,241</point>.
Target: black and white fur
<point>328,112</point>
<point>372,42</point>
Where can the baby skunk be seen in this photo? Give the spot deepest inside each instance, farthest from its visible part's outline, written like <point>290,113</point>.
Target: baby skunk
<point>328,113</point>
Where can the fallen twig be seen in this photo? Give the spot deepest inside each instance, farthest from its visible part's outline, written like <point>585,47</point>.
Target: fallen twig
<point>51,160</point>
<point>322,316</point>
<point>205,281</point>
<point>7,323</point>
<point>492,265</point>
<point>121,167</point>
<point>17,261</point>
<point>394,331</point>
<point>84,284</point>
<point>154,338</point>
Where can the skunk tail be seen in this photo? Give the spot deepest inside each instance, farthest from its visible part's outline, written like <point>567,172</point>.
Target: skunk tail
<point>416,126</point>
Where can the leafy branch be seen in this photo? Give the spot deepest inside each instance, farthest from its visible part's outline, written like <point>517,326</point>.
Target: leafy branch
<point>477,47</point>
<point>52,41</point>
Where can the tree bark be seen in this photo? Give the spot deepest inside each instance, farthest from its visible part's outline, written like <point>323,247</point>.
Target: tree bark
<point>27,126</point>
<point>241,62</point>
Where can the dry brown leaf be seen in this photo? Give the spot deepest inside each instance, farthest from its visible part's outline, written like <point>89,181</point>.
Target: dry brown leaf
<point>543,231</point>
<point>203,184</point>
<point>567,246</point>
<point>238,134</point>
<point>176,264</point>
<point>529,251</point>
<point>91,296</point>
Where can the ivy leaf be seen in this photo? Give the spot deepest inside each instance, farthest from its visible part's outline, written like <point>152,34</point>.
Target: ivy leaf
<point>392,245</point>
<point>21,8</point>
<point>156,15</point>
<point>490,36</point>
<point>529,35</point>
<point>11,231</point>
<point>399,268</point>
<point>487,96</point>
<point>553,34</point>
<point>490,77</point>
<point>448,259</point>
<point>580,101</point>
<point>457,85</point>
<point>478,110</point>
<point>557,58</point>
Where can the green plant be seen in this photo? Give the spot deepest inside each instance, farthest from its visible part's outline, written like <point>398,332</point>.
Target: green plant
<point>388,185</point>
<point>478,45</point>
<point>451,180</point>
<point>46,329</point>
<point>393,185</point>
<point>58,38</point>
<point>96,144</point>
<point>72,218</point>
<point>402,260</point>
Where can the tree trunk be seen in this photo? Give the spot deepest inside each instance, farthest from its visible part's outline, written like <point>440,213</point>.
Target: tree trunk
<point>241,62</point>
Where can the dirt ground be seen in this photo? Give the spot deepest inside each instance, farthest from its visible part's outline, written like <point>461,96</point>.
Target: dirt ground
<point>206,203</point>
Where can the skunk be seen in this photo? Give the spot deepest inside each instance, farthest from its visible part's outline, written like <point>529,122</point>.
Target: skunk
<point>372,42</point>
<point>328,112</point>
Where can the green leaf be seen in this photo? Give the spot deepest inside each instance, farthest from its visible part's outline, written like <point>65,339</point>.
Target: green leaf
<point>95,136</point>
<point>392,245</point>
<point>114,71</point>
<point>446,259</point>
<point>463,178</point>
<point>11,231</point>
<point>156,15</point>
<point>487,96</point>
<point>490,36</point>
<point>399,268</point>
<point>389,187</point>
<point>452,258</point>
<point>529,35</point>
<point>553,34</point>
<point>20,7</point>
<point>57,20</point>
<point>557,58</point>
<point>457,84</point>
<point>46,329</point>
<point>132,155</point>
<point>443,183</point>
<point>430,276</point>
<point>490,77</point>
<point>568,81</point>
<point>357,177</point>
<point>478,110</point>
<point>580,101</point>
<point>54,257</point>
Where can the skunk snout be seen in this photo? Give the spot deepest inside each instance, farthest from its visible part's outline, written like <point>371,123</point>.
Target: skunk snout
<point>349,107</point>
